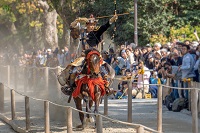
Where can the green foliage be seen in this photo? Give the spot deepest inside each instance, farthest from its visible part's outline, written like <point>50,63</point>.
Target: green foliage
<point>186,12</point>
<point>60,27</point>
<point>6,2</point>
<point>159,38</point>
<point>6,15</point>
<point>184,33</point>
<point>35,24</point>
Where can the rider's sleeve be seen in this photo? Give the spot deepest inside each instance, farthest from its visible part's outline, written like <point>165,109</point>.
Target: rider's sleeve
<point>103,28</point>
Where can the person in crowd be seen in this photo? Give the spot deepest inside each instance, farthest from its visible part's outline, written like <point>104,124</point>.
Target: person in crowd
<point>158,55</point>
<point>175,73</point>
<point>143,75</point>
<point>53,62</point>
<point>164,52</point>
<point>49,53</point>
<point>112,55</point>
<point>153,88</point>
<point>43,59</point>
<point>121,63</point>
<point>157,47</point>
<point>137,55</point>
<point>135,91</point>
<point>67,56</point>
<point>130,56</point>
<point>150,62</point>
<point>187,67</point>
<point>61,57</point>
<point>175,59</point>
<point>105,56</point>
<point>197,64</point>
<point>122,91</point>
<point>187,42</point>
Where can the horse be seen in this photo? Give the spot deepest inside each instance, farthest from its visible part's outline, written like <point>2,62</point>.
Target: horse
<point>91,85</point>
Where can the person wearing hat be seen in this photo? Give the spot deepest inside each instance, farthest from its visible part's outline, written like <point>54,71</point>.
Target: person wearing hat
<point>150,61</point>
<point>93,33</point>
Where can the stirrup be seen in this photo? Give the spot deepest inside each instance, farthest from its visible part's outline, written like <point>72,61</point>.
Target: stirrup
<point>66,90</point>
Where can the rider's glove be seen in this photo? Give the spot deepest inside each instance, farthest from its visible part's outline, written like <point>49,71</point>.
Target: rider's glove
<point>113,19</point>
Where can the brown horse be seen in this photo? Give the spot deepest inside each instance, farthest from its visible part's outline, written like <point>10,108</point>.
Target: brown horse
<point>90,85</point>
<point>91,88</point>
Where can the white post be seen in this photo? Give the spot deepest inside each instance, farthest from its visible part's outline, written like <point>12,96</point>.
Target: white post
<point>99,124</point>
<point>12,92</point>
<point>8,75</point>
<point>27,112</point>
<point>69,120</point>
<point>159,109</point>
<point>1,97</point>
<point>140,129</point>
<point>105,105</point>
<point>194,99</point>
<point>46,116</point>
<point>129,101</point>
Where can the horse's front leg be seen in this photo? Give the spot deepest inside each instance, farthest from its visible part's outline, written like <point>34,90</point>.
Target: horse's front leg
<point>97,99</point>
<point>88,102</point>
<point>77,101</point>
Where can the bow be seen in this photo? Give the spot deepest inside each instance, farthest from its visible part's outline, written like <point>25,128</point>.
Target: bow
<point>115,13</point>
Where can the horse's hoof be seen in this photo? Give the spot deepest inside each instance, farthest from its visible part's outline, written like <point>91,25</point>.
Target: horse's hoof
<point>80,126</point>
<point>89,120</point>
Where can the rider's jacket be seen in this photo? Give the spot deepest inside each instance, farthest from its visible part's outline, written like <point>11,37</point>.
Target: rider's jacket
<point>94,37</point>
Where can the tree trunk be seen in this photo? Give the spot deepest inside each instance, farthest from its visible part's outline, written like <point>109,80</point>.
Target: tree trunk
<point>51,38</point>
<point>65,37</point>
<point>50,27</point>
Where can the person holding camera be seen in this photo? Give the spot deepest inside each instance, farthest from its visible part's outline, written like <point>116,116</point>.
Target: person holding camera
<point>175,73</point>
<point>121,63</point>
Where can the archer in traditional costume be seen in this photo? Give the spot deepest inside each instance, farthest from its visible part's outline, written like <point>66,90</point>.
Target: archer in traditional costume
<point>91,40</point>
<point>93,34</point>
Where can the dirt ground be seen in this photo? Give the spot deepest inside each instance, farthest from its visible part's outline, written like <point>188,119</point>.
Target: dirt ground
<point>144,112</point>
<point>5,128</point>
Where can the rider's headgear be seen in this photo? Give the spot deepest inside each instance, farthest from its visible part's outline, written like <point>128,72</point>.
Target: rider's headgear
<point>91,20</point>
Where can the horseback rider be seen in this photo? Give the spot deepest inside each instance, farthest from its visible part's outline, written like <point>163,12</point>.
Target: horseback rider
<point>91,41</point>
<point>93,32</point>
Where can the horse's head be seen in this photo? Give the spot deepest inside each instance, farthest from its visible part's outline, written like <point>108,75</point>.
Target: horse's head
<point>94,64</point>
<point>94,61</point>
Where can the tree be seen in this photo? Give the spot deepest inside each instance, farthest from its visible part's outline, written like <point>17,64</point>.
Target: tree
<point>50,27</point>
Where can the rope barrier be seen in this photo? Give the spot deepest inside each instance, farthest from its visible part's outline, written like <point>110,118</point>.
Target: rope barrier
<point>113,120</point>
